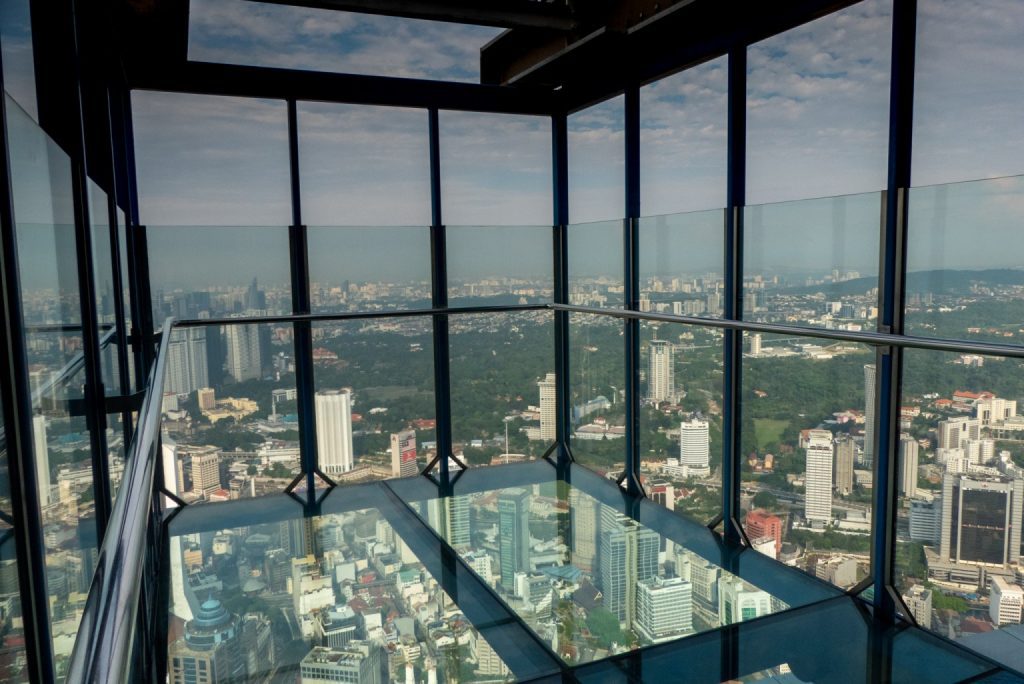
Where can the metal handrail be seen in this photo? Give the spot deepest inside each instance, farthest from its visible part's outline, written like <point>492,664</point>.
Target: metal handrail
<point>103,647</point>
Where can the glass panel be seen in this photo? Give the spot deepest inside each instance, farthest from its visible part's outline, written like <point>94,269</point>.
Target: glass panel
<point>374,398</point>
<point>596,264</point>
<point>216,272</point>
<point>818,106</point>
<point>806,436</point>
<point>122,237</point>
<point>271,35</point>
<point>683,140</point>
<point>205,160</point>
<point>961,489</point>
<point>499,266</point>
<point>963,260</point>
<point>103,284</point>
<point>681,260</point>
<point>117,441</point>
<point>597,167</point>
<point>369,269</point>
<point>502,386</point>
<point>362,165</point>
<point>19,73</point>
<point>968,91</point>
<point>229,429</point>
<point>681,417</point>
<point>813,262</point>
<point>495,169</point>
<point>597,381</point>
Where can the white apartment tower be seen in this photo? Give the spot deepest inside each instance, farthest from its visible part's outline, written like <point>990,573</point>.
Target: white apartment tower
<point>661,385</point>
<point>908,466</point>
<point>42,455</point>
<point>243,347</point>
<point>818,480</point>
<point>1005,602</point>
<point>548,413</point>
<point>334,430</point>
<point>187,361</point>
<point>869,414</point>
<point>694,447</point>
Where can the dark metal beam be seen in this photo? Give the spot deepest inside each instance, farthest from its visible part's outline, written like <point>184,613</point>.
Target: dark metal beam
<point>502,13</point>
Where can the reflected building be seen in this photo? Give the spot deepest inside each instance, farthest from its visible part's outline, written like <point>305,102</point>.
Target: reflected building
<point>583,512</point>
<point>513,535</point>
<point>629,554</point>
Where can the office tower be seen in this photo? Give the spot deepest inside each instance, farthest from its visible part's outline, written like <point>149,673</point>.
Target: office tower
<point>954,432</point>
<point>255,298</point>
<point>338,626</point>
<point>908,466</point>
<point>1005,602</point>
<point>926,519</point>
<point>450,517</point>
<point>919,602</point>
<point>694,448</point>
<point>664,608</point>
<point>629,553</point>
<point>739,601</point>
<point>761,524</point>
<point>869,415</point>
<point>583,516</point>
<point>258,645</point>
<point>360,662</point>
<point>42,456</point>
<point>244,360</point>
<point>207,398</point>
<point>994,410</point>
<point>334,430</point>
<point>548,408</point>
<point>755,344</point>
<point>403,454</point>
<point>818,478</point>
<point>842,473</point>
<point>705,577</point>
<point>513,535</point>
<point>203,464</point>
<point>661,383</point>
<point>210,652</point>
<point>187,362</point>
<point>981,519</point>
<point>488,664</point>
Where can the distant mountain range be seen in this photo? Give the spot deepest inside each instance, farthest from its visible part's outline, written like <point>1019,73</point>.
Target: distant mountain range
<point>937,281</point>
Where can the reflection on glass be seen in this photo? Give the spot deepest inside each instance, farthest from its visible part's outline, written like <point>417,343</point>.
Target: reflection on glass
<point>961,487</point>
<point>126,289</point>
<point>117,439</point>
<point>596,264</point>
<point>683,140</point>
<point>206,160</point>
<point>14,660</point>
<point>339,597</point>
<point>681,260</point>
<point>681,417</point>
<point>103,284</point>
<point>499,265</point>
<point>597,150</point>
<point>818,106</point>
<point>964,279</point>
<point>807,448</point>
<point>495,169</point>
<point>502,386</point>
<point>597,381</point>
<point>216,272</point>
<point>230,428</point>
<point>363,165</point>
<point>588,579</point>
<point>374,398</point>
<point>813,262</point>
<point>369,269</point>
<point>19,74</point>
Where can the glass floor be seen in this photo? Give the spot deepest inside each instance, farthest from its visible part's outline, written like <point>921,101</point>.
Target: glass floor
<point>518,576</point>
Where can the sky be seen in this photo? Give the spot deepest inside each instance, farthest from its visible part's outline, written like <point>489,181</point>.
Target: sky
<point>817,107</point>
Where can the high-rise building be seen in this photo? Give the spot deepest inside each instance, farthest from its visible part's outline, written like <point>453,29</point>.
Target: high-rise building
<point>1005,602</point>
<point>755,344</point>
<point>926,519</point>
<point>661,383</point>
<point>994,410</point>
<point>449,516</point>
<point>818,478</point>
<point>629,554</point>
<point>842,469</point>
<point>187,361</point>
<point>908,466</point>
<point>869,414</point>
<point>359,662</point>
<point>207,398</point>
<point>210,651</point>
<point>513,535</point>
<point>739,601</point>
<point>981,520</point>
<point>488,663</point>
<point>918,600</point>
<point>664,608</point>
<point>761,524</point>
<point>203,464</point>
<point>583,514</point>
<point>954,432</point>
<point>694,447</point>
<point>403,453</point>
<point>548,408</point>
<point>334,430</point>
<point>42,457</point>
<point>244,358</point>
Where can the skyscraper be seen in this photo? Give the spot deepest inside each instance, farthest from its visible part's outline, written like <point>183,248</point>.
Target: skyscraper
<point>211,649</point>
<point>694,447</point>
<point>664,608</point>
<point>869,414</point>
<point>955,432</point>
<point>334,430</point>
<point>513,535</point>
<point>548,414</point>
<point>403,453</point>
<point>629,554</point>
<point>818,478</point>
<point>739,601</point>
<point>661,384</point>
<point>42,456</point>
<point>919,602</point>
<point>842,472</point>
<point>187,362</point>
<point>908,466</point>
<point>583,512</point>
<point>981,520</point>
<point>244,360</point>
<point>359,662</point>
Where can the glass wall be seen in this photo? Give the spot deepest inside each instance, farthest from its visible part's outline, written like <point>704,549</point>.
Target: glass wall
<point>597,382</point>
